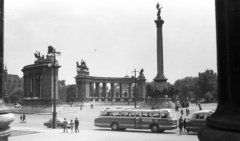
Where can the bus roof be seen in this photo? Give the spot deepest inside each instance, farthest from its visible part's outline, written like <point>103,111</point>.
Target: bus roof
<point>137,110</point>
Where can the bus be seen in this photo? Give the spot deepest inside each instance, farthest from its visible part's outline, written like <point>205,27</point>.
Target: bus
<point>158,120</point>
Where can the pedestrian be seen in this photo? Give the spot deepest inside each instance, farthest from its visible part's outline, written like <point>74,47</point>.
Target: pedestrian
<point>65,124</point>
<point>184,124</point>
<point>181,111</point>
<point>23,118</point>
<point>81,107</point>
<point>180,125</point>
<point>71,125</point>
<point>76,122</point>
<point>91,106</point>
<point>20,119</point>
<point>200,108</point>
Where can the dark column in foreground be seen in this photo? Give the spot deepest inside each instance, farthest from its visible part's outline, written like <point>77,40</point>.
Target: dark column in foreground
<point>224,123</point>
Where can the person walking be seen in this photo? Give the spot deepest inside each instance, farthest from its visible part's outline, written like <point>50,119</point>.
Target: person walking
<point>180,125</point>
<point>23,118</point>
<point>184,124</point>
<point>182,112</point>
<point>76,122</point>
<point>65,123</point>
<point>71,125</point>
<point>81,107</point>
<point>200,108</point>
<point>20,119</point>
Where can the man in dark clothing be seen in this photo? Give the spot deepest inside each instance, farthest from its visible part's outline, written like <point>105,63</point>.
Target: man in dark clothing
<point>76,122</point>
<point>184,124</point>
<point>180,125</point>
<point>23,118</point>
<point>182,112</point>
<point>65,124</point>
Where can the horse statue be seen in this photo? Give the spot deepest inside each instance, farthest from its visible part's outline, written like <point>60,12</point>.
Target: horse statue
<point>82,67</point>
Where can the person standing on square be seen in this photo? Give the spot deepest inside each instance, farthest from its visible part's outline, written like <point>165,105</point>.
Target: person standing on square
<point>76,122</point>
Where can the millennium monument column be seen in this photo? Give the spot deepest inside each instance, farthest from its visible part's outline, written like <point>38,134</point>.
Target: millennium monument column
<point>83,85</point>
<point>160,78</point>
<point>224,124</point>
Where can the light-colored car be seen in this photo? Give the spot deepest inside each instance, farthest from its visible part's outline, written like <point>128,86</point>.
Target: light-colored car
<point>197,120</point>
<point>18,105</point>
<point>59,123</point>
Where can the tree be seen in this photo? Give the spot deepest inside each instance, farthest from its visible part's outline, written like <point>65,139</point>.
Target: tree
<point>208,96</point>
<point>71,93</point>
<point>16,95</point>
<point>62,90</point>
<point>207,82</point>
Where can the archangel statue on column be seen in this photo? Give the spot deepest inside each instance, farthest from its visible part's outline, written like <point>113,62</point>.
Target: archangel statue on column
<point>159,11</point>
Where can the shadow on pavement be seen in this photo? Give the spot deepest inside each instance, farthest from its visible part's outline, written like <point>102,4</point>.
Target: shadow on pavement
<point>21,132</point>
<point>135,131</point>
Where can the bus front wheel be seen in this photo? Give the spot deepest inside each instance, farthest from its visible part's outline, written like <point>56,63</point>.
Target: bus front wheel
<point>154,128</point>
<point>114,126</point>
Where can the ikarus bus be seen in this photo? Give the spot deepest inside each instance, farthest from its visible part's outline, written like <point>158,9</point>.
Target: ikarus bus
<point>158,120</point>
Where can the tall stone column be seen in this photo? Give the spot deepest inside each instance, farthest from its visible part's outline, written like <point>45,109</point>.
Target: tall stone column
<point>160,74</point>
<point>224,124</point>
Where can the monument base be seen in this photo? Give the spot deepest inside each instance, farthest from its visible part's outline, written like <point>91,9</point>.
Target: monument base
<point>160,78</point>
<point>208,133</point>
<point>39,106</point>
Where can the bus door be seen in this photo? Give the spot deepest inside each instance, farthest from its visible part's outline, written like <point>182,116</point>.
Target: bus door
<point>137,120</point>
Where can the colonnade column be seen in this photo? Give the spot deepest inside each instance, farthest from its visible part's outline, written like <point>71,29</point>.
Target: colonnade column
<point>120,90</point>
<point>97,90</point>
<point>104,90</point>
<point>129,90</point>
<point>112,90</point>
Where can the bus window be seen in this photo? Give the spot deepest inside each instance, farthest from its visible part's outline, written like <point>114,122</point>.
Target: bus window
<point>132,114</point>
<point>144,114</point>
<point>137,114</point>
<point>156,114</point>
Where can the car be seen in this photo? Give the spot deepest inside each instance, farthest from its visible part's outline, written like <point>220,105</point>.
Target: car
<point>59,123</point>
<point>17,105</point>
<point>197,120</point>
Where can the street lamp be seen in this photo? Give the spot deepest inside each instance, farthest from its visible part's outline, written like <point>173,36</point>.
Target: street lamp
<point>196,84</point>
<point>135,87</point>
<point>54,118</point>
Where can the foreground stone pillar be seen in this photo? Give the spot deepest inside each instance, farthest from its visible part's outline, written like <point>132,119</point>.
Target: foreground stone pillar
<point>5,119</point>
<point>224,124</point>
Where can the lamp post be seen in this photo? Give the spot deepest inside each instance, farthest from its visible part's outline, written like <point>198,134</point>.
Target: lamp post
<point>196,84</point>
<point>54,114</point>
<point>135,88</point>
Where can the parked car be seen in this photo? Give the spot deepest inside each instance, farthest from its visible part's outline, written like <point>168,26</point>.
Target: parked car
<point>59,123</point>
<point>197,120</point>
<point>17,105</point>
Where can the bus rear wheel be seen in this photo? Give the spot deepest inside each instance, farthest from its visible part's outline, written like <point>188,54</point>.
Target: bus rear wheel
<point>114,126</point>
<point>154,128</point>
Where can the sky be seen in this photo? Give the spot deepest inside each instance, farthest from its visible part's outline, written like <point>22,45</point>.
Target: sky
<point>113,37</point>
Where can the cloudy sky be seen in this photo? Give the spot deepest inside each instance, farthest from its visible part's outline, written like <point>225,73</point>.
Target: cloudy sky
<point>114,37</point>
